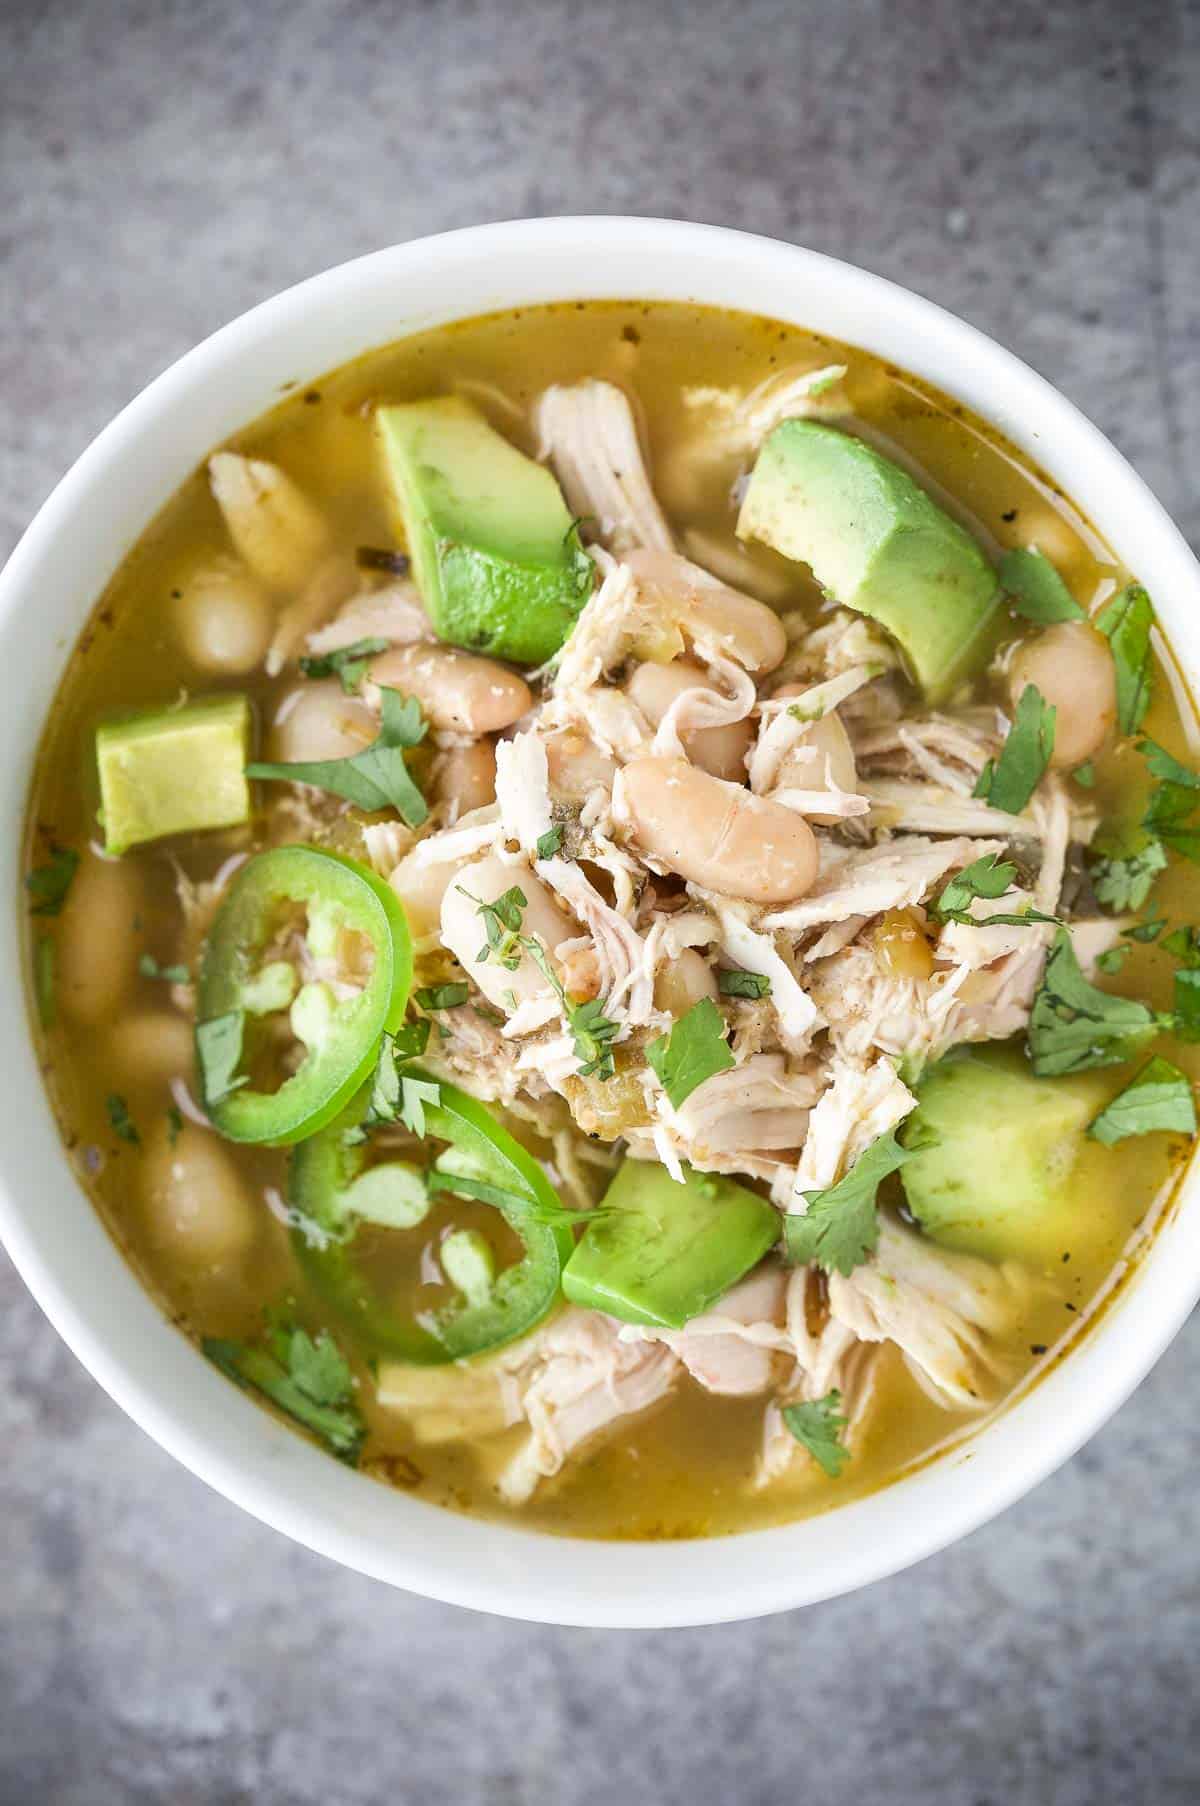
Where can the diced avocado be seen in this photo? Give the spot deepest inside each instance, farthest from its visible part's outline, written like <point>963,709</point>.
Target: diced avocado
<point>661,1253</point>
<point>877,543</point>
<point>495,552</point>
<point>174,771</point>
<point>999,1174</point>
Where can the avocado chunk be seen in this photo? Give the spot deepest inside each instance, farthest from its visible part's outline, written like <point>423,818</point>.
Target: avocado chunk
<point>877,543</point>
<point>998,1168</point>
<point>173,771</point>
<point>496,555</point>
<point>661,1252</point>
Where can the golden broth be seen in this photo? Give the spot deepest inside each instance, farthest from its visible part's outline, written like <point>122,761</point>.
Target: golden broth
<point>685,1468</point>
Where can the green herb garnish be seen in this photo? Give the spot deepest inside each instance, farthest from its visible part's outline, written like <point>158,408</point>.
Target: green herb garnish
<point>1008,782</point>
<point>1183,944</point>
<point>1074,1025</point>
<point>1125,623</point>
<point>1187,1004</point>
<point>149,967</point>
<point>817,1426</point>
<point>694,1050</point>
<point>549,843</point>
<point>121,1122</point>
<point>1146,931</point>
<point>502,925</point>
<point>376,778</point>
<point>840,1228</point>
<point>348,664</point>
<point>219,1051</point>
<point>1159,1098</point>
<point>1085,774</point>
<point>593,1032</point>
<point>441,997</point>
<point>985,877</point>
<point>1112,959</point>
<point>306,1376</point>
<point>415,1094</point>
<point>1035,589</point>
<point>736,983</point>
<point>1124,873</point>
<point>48,884</point>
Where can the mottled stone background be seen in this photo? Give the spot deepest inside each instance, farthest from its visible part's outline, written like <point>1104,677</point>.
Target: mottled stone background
<point>163,166</point>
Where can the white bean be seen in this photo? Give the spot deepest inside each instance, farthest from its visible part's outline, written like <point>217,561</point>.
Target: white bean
<point>319,721</point>
<point>274,526</point>
<point>224,618</point>
<point>835,758</point>
<point>459,691</point>
<point>197,1206</point>
<point>464,930</point>
<point>466,775</point>
<point>705,608</point>
<point>97,942</point>
<point>421,887</point>
<point>721,751</point>
<point>1072,667</point>
<point>717,834</point>
<point>577,766</point>
<point>684,981</point>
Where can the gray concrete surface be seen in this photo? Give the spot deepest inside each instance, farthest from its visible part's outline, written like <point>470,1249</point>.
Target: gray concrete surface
<point>162,166</point>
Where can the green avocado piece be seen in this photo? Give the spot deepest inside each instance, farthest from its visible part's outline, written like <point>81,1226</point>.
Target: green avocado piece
<point>663,1252</point>
<point>998,1150</point>
<point>877,543</point>
<point>496,555</point>
<point>174,771</point>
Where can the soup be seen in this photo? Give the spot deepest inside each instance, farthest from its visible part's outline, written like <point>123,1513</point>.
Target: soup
<point>610,894</point>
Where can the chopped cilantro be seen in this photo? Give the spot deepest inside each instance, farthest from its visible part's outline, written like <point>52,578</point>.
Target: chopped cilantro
<point>120,1120</point>
<point>1085,774</point>
<point>348,664</point>
<point>415,1094</point>
<point>306,1376</point>
<point>1125,623</point>
<point>1146,931</point>
<point>1035,589</point>
<point>1112,959</point>
<point>694,1050</point>
<point>441,997</point>
<point>411,1039</point>
<point>1187,1004</point>
<point>48,884</point>
<point>1124,872</point>
<point>1074,1025</point>
<point>502,925</point>
<point>218,1050</point>
<point>1160,1097</point>
<point>594,1033</point>
<point>841,1225</point>
<point>985,877</point>
<point>816,1425</point>
<point>1008,782</point>
<point>149,967</point>
<point>736,983</point>
<point>377,777</point>
<point>1165,767</point>
<point>549,843</point>
<point>1183,944</point>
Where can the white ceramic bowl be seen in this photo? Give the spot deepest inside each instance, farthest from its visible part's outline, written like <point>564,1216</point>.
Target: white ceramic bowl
<point>50,1229</point>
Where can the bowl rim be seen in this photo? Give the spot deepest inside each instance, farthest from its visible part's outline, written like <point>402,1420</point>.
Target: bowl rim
<point>66,1257</point>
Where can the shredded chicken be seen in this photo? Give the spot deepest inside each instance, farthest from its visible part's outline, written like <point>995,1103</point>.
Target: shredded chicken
<point>393,613</point>
<point>587,432</point>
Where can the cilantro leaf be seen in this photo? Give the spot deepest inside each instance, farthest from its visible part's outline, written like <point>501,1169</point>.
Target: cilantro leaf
<point>149,967</point>
<point>694,1050</point>
<point>1073,1025</point>
<point>841,1225</point>
<point>1035,589</point>
<point>1124,873</point>
<point>48,884</point>
<point>441,997</point>
<point>120,1120</point>
<point>985,877</point>
<point>736,983</point>
<point>377,777</point>
<point>218,1051</point>
<point>1183,944</point>
<point>1146,931</point>
<point>1187,1004</point>
<point>307,1378</point>
<point>502,926</point>
<point>594,1033</point>
<point>348,664</point>
<point>1112,959</point>
<point>549,843</point>
<point>1008,782</point>
<point>816,1426</point>
<point>1165,767</point>
<point>1125,623</point>
<point>1160,1097</point>
<point>1085,774</point>
<point>415,1094</point>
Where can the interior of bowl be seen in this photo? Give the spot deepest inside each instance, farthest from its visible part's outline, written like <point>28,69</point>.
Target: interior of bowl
<point>50,1228</point>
